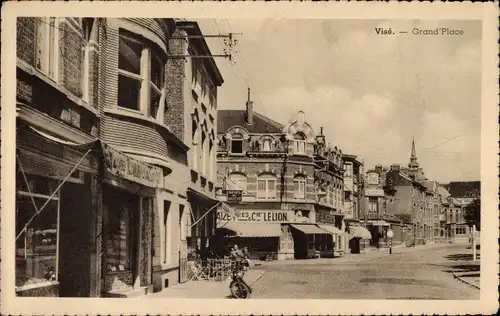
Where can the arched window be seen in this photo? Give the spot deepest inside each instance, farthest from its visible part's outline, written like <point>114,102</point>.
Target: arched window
<point>237,143</point>
<point>299,144</point>
<point>266,145</point>
<point>237,181</point>
<point>266,186</point>
<point>299,185</point>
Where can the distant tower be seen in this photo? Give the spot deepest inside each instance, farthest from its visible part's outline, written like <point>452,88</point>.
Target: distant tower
<point>413,165</point>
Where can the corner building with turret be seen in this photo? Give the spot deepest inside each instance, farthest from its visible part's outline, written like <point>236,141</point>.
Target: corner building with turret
<point>284,185</point>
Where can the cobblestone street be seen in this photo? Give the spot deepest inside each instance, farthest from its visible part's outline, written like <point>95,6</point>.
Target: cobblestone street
<point>419,273</point>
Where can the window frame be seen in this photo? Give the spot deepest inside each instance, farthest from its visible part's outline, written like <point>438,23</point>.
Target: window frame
<point>270,182</point>
<point>270,145</point>
<point>239,139</point>
<point>147,87</point>
<point>238,184</point>
<point>47,46</point>
<point>298,182</point>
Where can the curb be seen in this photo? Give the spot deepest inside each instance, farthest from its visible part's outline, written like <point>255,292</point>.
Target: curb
<point>466,282</point>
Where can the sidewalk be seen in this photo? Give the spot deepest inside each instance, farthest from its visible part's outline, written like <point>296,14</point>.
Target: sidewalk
<point>205,289</point>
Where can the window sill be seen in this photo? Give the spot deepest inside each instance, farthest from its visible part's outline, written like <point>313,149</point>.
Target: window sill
<point>40,75</point>
<point>36,285</point>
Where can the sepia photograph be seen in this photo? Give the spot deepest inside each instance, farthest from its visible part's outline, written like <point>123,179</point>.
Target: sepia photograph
<point>258,158</point>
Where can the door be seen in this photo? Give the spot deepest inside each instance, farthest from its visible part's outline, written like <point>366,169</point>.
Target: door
<point>183,265</point>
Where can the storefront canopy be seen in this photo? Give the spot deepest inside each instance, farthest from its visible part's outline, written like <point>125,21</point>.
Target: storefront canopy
<point>309,229</point>
<point>378,223</point>
<point>331,229</point>
<point>360,232</point>
<point>253,229</point>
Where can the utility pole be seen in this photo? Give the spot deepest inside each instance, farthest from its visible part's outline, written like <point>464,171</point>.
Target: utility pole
<point>474,242</point>
<point>229,42</point>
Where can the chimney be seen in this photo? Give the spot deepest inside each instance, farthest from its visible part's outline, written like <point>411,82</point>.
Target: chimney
<point>321,130</point>
<point>249,109</point>
<point>395,167</point>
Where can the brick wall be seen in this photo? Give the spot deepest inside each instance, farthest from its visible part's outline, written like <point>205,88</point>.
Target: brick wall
<point>25,39</point>
<point>175,76</point>
<point>71,42</point>
<point>252,169</point>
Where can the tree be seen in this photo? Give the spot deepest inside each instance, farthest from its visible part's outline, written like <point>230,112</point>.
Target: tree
<point>473,213</point>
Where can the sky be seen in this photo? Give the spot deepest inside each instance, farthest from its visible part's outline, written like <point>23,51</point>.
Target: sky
<point>372,93</point>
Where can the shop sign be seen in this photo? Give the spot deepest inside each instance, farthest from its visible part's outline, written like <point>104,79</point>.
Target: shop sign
<point>256,216</point>
<point>131,169</point>
<point>325,218</point>
<point>234,196</point>
<point>374,192</point>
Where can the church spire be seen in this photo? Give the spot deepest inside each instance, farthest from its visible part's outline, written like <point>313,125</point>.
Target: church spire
<point>413,165</point>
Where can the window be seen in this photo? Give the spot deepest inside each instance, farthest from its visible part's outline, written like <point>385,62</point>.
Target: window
<point>372,205</point>
<point>266,187</point>
<point>237,181</point>
<point>195,145</point>
<point>204,158</point>
<point>266,145</point>
<point>47,46</point>
<point>166,242</point>
<point>36,245</point>
<point>348,170</point>
<point>299,144</point>
<point>140,77</point>
<point>330,198</point>
<point>87,27</point>
<point>237,144</point>
<point>299,184</point>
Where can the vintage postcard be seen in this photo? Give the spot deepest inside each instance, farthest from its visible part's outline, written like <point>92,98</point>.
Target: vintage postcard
<point>249,158</point>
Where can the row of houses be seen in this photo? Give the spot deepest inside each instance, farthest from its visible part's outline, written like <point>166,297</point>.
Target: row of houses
<point>125,166</point>
<point>416,209</point>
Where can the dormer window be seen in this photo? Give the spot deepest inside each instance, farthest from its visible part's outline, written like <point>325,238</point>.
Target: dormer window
<point>237,143</point>
<point>299,144</point>
<point>266,145</point>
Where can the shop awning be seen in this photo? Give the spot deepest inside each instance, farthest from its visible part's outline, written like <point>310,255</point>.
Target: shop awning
<point>254,229</point>
<point>309,229</point>
<point>378,223</point>
<point>331,229</point>
<point>360,232</point>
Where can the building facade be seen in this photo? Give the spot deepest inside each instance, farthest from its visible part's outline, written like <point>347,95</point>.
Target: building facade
<point>192,95</point>
<point>272,167</point>
<point>104,148</point>
<point>355,206</point>
<point>58,246</point>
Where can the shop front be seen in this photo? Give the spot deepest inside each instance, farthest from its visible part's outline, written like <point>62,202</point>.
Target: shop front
<point>266,233</point>
<point>56,181</point>
<point>333,244</point>
<point>128,200</point>
<point>358,236</point>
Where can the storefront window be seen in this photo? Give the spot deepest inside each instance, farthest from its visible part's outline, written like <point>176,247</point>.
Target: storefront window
<point>121,208</point>
<point>36,232</point>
